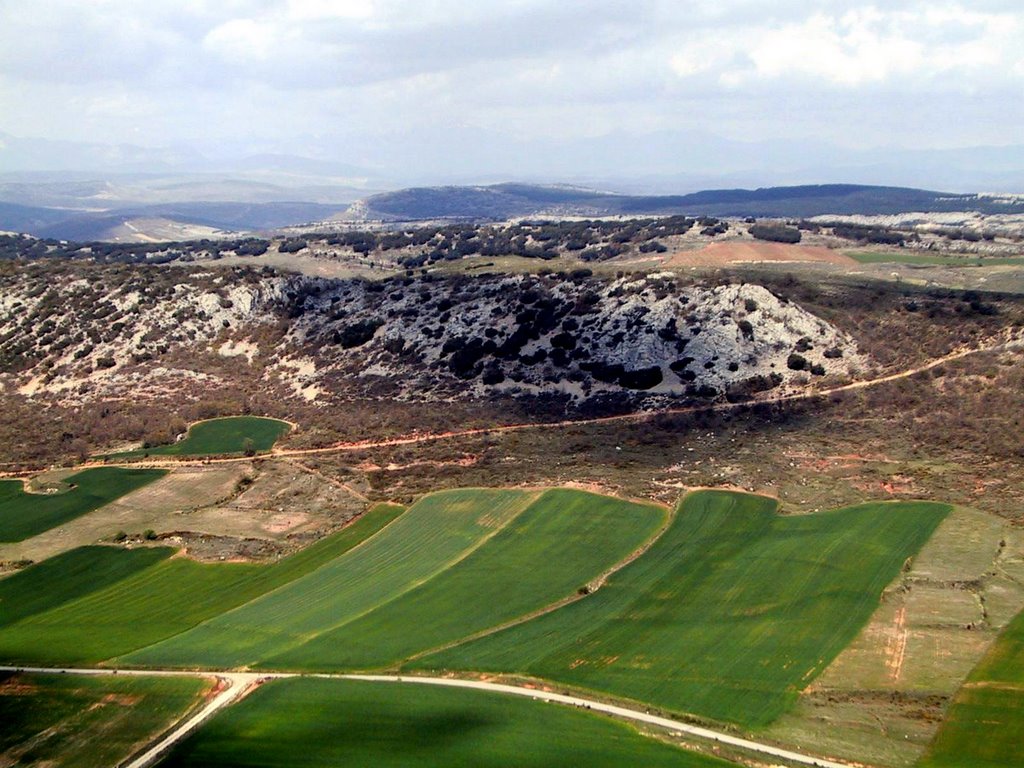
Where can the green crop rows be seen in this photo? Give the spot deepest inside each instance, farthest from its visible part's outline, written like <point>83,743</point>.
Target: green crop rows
<point>231,434</point>
<point>293,723</point>
<point>457,563</point>
<point>731,612</point>
<point>153,601</point>
<point>984,727</point>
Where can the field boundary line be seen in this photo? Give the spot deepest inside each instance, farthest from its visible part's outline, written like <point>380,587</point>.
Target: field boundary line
<point>443,567</point>
<point>598,580</point>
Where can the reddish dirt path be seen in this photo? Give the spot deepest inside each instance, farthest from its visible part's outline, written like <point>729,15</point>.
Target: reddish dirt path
<point>428,437</point>
<point>417,438</point>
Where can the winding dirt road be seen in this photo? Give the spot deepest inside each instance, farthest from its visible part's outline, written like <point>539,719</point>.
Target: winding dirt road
<point>238,683</point>
<point>1009,343</point>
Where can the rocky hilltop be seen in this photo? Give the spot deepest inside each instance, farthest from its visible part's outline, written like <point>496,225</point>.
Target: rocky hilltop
<point>79,334</point>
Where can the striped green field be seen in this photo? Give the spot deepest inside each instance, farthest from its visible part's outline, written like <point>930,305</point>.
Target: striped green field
<point>326,723</point>
<point>919,258</point>
<point>457,563</point>
<point>70,576</point>
<point>730,613</point>
<point>23,515</point>
<point>546,553</point>
<point>157,601</point>
<point>79,721</point>
<point>984,727</point>
<point>228,435</point>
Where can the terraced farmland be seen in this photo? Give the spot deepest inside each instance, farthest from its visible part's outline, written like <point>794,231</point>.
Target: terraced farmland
<point>157,601</point>
<point>231,434</point>
<point>728,615</point>
<point>984,727</point>
<point>76,721</point>
<point>23,515</point>
<point>457,563</point>
<point>292,723</point>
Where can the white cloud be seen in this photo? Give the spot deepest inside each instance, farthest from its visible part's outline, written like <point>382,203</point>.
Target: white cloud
<point>241,40</point>
<point>532,67</point>
<point>850,51</point>
<point>306,10</point>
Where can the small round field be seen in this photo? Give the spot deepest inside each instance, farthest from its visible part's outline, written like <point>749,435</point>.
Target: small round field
<point>305,722</point>
<point>229,435</point>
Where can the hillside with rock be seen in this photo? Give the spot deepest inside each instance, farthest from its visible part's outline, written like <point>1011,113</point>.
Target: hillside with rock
<point>78,334</point>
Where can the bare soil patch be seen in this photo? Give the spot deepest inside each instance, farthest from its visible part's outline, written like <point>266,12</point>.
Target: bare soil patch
<point>734,251</point>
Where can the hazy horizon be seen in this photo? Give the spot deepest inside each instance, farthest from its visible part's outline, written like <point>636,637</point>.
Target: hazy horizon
<point>652,96</point>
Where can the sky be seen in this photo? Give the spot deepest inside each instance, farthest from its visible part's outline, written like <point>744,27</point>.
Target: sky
<point>357,80</point>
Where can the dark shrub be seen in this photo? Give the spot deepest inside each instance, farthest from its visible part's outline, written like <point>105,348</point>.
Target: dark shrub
<point>644,378</point>
<point>776,233</point>
<point>357,334</point>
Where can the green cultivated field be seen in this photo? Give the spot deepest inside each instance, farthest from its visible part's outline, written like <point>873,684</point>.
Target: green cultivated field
<point>158,601</point>
<point>728,615</point>
<point>545,554</point>
<point>70,576</point>
<point>326,723</point>
<point>984,727</point>
<point>425,540</point>
<point>23,515</point>
<point>221,436</point>
<point>74,721</point>
<point>933,259</point>
<point>457,563</point>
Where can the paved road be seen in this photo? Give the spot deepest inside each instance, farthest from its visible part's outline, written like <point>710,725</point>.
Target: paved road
<point>240,682</point>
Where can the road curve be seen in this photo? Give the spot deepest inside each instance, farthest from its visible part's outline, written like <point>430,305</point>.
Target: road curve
<point>235,685</point>
<point>240,682</point>
<point>610,709</point>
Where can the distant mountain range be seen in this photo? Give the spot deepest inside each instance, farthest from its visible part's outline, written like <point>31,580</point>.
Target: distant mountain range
<point>70,224</point>
<point>503,201</point>
<point>495,202</point>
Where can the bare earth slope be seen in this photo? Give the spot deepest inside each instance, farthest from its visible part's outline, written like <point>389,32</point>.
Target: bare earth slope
<point>734,251</point>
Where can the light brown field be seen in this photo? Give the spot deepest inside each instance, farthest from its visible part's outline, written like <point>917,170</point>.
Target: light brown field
<point>162,505</point>
<point>736,251</point>
<point>237,504</point>
<point>882,698</point>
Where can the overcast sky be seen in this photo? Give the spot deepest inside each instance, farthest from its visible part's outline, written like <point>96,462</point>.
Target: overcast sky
<point>274,75</point>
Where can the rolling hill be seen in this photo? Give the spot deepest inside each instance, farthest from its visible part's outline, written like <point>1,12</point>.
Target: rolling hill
<point>503,201</point>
